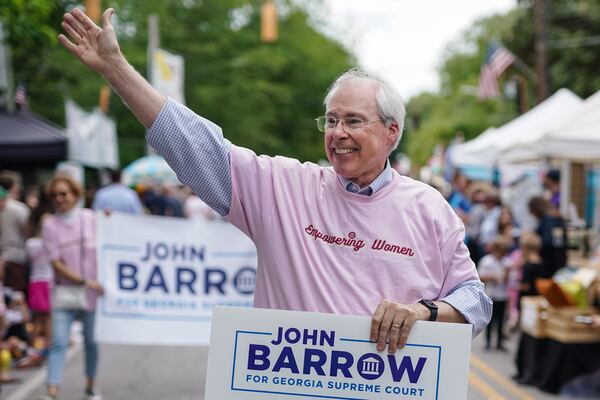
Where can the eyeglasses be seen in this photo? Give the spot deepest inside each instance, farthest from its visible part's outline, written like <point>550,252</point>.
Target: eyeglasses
<point>328,123</point>
<point>58,194</point>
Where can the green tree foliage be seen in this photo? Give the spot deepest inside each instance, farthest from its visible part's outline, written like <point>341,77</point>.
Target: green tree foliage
<point>32,27</point>
<point>574,45</point>
<point>264,96</point>
<point>572,63</point>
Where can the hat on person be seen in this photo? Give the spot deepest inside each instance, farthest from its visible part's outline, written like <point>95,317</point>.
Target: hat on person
<point>554,175</point>
<point>3,193</point>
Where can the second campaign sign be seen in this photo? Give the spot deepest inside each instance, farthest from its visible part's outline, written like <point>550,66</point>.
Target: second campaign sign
<point>163,277</point>
<point>270,354</point>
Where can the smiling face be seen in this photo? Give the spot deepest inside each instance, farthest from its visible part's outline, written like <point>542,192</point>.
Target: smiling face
<point>358,154</point>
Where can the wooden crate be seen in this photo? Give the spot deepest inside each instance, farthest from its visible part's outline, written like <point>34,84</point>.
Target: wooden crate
<point>561,325</point>
<point>534,315</point>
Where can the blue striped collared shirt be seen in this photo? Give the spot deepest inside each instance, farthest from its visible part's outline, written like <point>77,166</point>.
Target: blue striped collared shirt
<point>380,182</point>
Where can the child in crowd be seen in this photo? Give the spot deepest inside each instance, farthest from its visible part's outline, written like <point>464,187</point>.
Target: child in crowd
<point>532,263</point>
<point>16,316</point>
<point>16,337</point>
<point>493,272</point>
<point>40,279</point>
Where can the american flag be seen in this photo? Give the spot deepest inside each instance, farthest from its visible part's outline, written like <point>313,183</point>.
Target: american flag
<point>21,96</point>
<point>497,60</point>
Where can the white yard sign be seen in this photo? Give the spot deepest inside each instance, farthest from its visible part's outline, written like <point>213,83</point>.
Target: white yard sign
<point>163,277</point>
<point>270,354</point>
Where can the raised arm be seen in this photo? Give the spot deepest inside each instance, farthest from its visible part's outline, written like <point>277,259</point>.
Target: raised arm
<point>98,48</point>
<point>193,146</point>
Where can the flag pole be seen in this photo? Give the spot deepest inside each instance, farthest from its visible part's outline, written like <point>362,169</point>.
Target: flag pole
<point>518,63</point>
<point>522,93</point>
<point>524,69</point>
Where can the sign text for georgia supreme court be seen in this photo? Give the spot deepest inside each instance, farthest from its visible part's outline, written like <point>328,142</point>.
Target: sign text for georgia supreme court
<point>329,356</point>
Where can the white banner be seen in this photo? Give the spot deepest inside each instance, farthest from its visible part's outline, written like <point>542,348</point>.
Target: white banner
<point>163,276</point>
<point>258,354</point>
<point>92,137</point>
<point>167,74</point>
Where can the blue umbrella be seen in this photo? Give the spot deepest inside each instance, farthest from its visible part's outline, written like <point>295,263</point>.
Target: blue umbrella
<point>149,168</point>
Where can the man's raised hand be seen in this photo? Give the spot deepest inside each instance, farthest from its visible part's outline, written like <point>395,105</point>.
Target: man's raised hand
<point>96,47</point>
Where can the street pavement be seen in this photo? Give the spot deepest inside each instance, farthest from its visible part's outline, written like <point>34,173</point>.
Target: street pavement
<point>178,373</point>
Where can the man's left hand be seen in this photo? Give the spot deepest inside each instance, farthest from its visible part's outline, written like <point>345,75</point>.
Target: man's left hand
<point>394,320</point>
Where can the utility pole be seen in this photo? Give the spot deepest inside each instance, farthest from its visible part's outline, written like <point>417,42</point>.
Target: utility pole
<point>153,44</point>
<point>153,40</point>
<point>7,89</point>
<point>540,20</point>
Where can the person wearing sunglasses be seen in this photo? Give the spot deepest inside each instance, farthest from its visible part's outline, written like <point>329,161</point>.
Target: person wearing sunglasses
<point>69,237</point>
<point>354,238</point>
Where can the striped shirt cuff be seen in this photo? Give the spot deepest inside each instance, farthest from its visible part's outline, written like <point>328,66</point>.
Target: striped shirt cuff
<point>469,299</point>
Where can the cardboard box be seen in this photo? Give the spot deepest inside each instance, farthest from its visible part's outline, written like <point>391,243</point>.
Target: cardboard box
<point>534,315</point>
<point>562,326</point>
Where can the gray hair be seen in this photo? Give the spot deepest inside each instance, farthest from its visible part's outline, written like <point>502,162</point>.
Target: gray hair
<point>390,106</point>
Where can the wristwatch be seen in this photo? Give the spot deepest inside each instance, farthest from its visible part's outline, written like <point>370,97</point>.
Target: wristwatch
<point>432,307</point>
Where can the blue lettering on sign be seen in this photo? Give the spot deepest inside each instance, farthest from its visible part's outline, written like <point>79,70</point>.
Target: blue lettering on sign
<point>337,365</point>
<point>127,273</point>
<point>292,336</point>
<point>284,354</point>
<point>258,357</point>
<point>370,366</point>
<point>214,278</point>
<point>181,280</point>
<point>186,280</point>
<point>406,365</point>
<point>317,364</point>
<point>174,252</point>
<point>156,280</point>
<point>286,360</point>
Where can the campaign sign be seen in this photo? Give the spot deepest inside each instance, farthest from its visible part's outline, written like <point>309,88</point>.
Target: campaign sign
<point>271,354</point>
<point>163,277</point>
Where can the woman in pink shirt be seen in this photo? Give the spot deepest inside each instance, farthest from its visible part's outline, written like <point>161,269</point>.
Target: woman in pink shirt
<point>69,237</point>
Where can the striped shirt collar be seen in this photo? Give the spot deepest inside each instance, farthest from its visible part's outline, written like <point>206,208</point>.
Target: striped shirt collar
<point>379,183</point>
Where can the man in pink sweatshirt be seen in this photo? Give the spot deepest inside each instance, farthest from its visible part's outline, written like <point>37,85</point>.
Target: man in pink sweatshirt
<point>354,238</point>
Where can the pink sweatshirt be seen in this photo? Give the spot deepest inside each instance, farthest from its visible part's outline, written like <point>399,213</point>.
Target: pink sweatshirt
<point>62,236</point>
<point>322,248</point>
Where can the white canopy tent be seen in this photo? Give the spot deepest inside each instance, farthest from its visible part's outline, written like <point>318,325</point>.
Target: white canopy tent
<point>485,150</point>
<point>476,152</point>
<point>576,139</point>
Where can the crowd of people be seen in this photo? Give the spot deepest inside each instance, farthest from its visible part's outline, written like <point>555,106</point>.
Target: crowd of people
<point>47,244</point>
<point>517,260</point>
<point>508,257</point>
<point>33,231</point>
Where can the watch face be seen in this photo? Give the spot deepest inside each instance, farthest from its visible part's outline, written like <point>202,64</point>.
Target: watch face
<point>433,308</point>
<point>429,304</point>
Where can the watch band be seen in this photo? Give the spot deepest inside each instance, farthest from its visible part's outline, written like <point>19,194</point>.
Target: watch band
<point>432,307</point>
